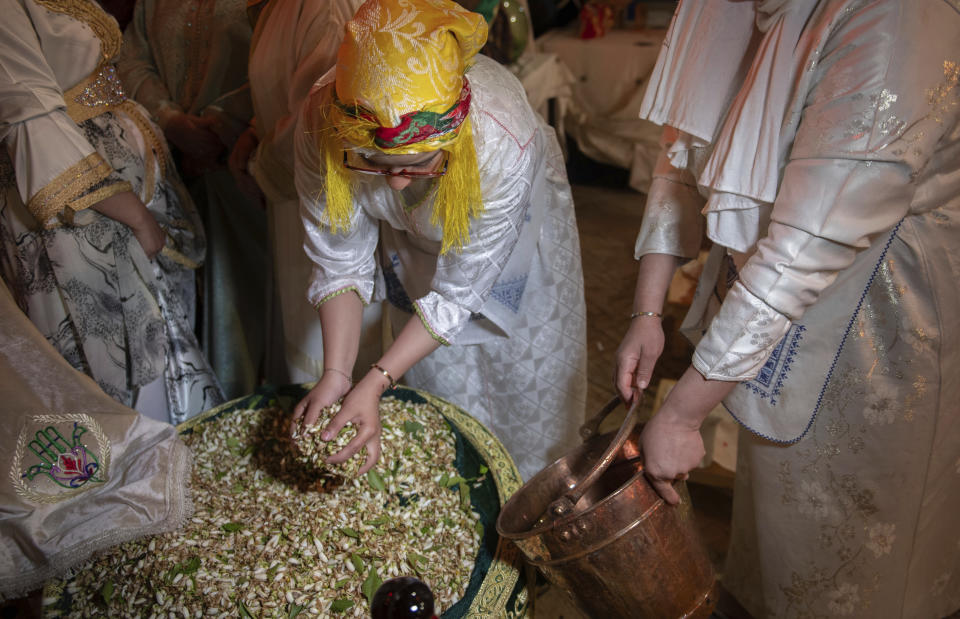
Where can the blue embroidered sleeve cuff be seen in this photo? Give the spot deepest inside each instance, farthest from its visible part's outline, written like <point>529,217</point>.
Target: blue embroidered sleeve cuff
<point>741,337</point>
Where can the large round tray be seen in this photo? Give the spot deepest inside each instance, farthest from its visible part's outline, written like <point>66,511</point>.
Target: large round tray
<point>497,584</point>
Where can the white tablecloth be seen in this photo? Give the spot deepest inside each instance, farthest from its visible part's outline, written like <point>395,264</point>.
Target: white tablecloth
<point>611,74</point>
<point>546,79</point>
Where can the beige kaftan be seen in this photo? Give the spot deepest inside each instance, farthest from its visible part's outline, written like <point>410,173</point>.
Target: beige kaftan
<point>294,43</point>
<point>830,180</point>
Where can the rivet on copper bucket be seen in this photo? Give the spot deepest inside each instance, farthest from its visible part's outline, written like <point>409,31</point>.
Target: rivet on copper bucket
<point>607,538</point>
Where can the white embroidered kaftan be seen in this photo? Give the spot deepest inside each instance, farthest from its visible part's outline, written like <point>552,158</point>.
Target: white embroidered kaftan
<point>831,188</point>
<point>70,140</point>
<point>510,304</point>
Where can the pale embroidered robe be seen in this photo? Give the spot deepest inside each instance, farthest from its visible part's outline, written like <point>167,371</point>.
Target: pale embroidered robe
<point>70,140</point>
<point>832,193</point>
<point>294,43</point>
<point>81,472</point>
<point>509,308</point>
<point>191,56</point>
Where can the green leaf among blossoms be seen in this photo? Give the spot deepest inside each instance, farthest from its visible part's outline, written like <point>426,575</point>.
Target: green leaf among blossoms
<point>412,427</point>
<point>107,592</point>
<point>371,584</point>
<point>272,571</point>
<point>184,567</point>
<point>465,497</point>
<point>453,481</point>
<point>375,481</point>
<point>244,611</point>
<point>341,604</point>
<point>418,562</point>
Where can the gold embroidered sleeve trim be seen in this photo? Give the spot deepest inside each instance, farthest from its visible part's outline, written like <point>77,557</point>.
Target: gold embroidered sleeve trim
<point>426,325</point>
<point>70,189</point>
<point>100,194</point>
<point>66,216</point>
<point>156,147</point>
<point>104,27</point>
<point>337,293</point>
<point>178,257</point>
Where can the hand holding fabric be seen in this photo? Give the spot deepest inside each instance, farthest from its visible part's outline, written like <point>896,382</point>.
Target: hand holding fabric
<point>196,140</point>
<point>128,209</point>
<point>239,160</point>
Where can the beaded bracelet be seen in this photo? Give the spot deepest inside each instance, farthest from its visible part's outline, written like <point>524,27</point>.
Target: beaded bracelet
<point>393,383</point>
<point>341,373</point>
<point>637,314</point>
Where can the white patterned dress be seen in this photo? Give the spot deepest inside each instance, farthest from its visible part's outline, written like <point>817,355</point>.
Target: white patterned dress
<point>509,308</point>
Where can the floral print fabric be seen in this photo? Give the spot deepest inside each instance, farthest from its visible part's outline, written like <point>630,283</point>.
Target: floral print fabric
<point>89,288</point>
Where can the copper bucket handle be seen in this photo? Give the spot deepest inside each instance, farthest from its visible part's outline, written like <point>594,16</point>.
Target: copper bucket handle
<point>565,504</point>
<point>591,426</point>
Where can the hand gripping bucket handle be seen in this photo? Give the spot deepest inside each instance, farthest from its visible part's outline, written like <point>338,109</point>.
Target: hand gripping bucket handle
<point>595,528</point>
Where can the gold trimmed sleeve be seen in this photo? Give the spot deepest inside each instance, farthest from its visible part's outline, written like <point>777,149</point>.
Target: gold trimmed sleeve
<point>76,188</point>
<point>426,325</point>
<point>337,293</point>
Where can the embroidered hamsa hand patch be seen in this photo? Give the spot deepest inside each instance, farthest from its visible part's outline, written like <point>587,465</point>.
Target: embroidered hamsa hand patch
<point>58,457</point>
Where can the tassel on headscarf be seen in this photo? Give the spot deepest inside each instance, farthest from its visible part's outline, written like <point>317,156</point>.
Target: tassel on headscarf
<point>458,192</point>
<point>337,180</point>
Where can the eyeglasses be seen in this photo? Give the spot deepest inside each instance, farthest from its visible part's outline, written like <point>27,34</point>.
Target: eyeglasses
<point>403,172</point>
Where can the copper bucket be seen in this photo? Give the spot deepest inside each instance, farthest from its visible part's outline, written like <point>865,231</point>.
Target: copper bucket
<point>596,528</point>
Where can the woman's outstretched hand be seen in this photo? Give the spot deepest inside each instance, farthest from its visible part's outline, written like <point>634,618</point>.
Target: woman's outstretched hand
<point>672,447</point>
<point>361,407</point>
<point>328,391</point>
<point>637,355</point>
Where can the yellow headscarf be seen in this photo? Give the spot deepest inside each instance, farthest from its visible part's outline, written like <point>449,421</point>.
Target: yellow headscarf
<point>403,60</point>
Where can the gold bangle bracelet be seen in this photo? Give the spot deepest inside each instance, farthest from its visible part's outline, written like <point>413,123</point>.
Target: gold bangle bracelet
<point>638,314</point>
<point>393,383</point>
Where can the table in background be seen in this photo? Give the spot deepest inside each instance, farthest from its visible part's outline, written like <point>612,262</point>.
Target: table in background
<point>549,86</point>
<point>611,74</point>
